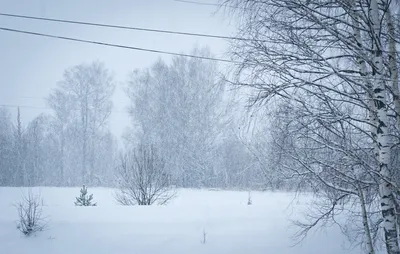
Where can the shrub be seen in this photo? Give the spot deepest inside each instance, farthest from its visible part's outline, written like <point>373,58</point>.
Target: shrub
<point>30,214</point>
<point>143,179</point>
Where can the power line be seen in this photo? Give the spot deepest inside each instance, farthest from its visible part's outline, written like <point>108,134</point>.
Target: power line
<point>254,40</point>
<point>137,48</point>
<point>213,4</point>
<point>198,3</point>
<point>125,27</point>
<point>130,47</point>
<point>160,31</point>
<point>114,45</point>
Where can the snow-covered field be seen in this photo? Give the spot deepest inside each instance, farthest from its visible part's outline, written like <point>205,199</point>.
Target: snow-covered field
<point>230,225</point>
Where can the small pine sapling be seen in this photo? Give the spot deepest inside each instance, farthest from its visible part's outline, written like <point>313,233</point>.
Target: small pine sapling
<point>84,199</point>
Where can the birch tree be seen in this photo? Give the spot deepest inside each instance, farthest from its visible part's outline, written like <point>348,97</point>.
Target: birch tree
<point>176,107</point>
<point>60,103</point>
<point>325,60</point>
<point>82,105</point>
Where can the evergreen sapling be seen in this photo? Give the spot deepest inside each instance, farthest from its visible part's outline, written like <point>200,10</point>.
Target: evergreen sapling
<point>84,199</point>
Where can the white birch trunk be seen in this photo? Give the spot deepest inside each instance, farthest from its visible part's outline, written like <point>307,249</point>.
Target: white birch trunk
<point>373,120</point>
<point>393,64</point>
<point>369,242</point>
<point>385,191</point>
<point>392,55</point>
<point>367,79</point>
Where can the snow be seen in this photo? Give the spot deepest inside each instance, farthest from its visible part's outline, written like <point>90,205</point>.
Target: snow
<point>230,225</point>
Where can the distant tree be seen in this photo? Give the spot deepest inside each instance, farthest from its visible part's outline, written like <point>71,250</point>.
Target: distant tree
<point>73,145</point>
<point>7,156</point>
<point>82,106</point>
<point>40,161</point>
<point>20,178</point>
<point>177,107</point>
<point>60,102</point>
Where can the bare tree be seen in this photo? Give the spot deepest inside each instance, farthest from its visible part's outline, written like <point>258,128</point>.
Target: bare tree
<point>59,101</point>
<point>325,61</point>
<point>177,108</point>
<point>7,161</point>
<point>143,179</point>
<point>82,106</point>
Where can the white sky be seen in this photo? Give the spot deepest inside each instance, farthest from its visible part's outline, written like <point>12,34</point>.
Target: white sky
<point>31,66</point>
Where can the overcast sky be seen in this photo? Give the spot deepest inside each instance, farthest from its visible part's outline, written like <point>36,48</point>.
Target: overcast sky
<point>31,66</point>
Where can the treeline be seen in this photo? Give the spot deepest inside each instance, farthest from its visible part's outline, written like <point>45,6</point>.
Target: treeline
<point>39,154</point>
<point>72,145</point>
<point>183,109</point>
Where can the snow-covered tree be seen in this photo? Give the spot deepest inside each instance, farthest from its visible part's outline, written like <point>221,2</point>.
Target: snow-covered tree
<point>82,106</point>
<point>331,65</point>
<point>176,107</point>
<point>7,159</point>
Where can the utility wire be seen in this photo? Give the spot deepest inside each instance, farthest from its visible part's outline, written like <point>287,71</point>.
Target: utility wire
<point>125,27</point>
<point>160,31</point>
<point>137,48</point>
<point>200,3</point>
<point>114,45</point>
<point>212,4</point>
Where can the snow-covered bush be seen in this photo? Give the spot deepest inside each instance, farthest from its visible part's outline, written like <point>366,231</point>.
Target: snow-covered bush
<point>84,199</point>
<point>30,214</point>
<point>143,179</point>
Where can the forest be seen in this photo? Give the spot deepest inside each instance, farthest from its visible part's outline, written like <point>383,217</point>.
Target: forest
<point>179,108</point>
